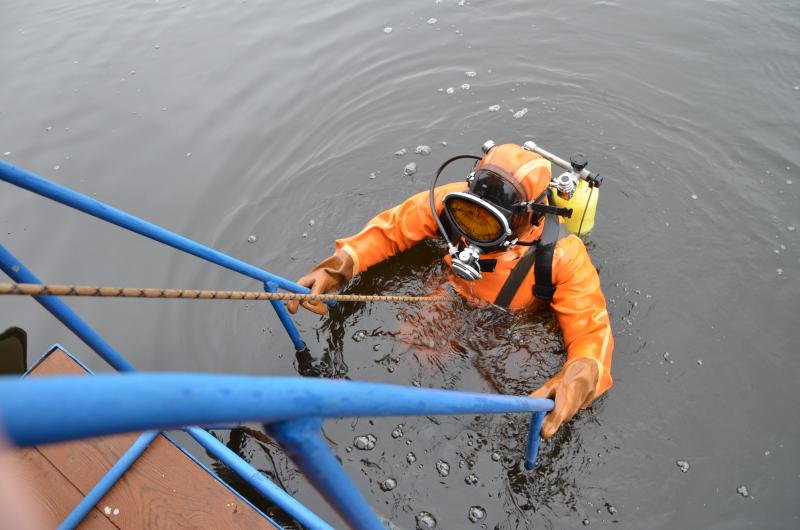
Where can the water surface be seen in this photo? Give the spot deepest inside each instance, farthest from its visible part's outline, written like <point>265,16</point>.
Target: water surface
<point>222,120</point>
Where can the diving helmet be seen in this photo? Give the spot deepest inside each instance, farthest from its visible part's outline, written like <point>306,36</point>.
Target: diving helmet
<point>489,215</point>
<point>505,194</point>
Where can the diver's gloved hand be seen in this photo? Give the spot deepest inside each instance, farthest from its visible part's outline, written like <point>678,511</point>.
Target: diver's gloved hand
<point>328,275</point>
<point>572,389</point>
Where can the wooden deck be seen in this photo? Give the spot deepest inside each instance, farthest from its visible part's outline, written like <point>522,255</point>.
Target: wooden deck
<point>163,489</point>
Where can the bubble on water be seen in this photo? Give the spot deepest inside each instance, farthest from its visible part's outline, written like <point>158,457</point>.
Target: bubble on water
<point>742,490</point>
<point>465,86</point>
<point>390,369</point>
<point>585,522</point>
<point>791,228</point>
<point>683,465</point>
<point>766,453</point>
<point>7,153</point>
<point>188,155</point>
<point>470,74</point>
<point>423,150</point>
<point>410,169</point>
<point>376,347</point>
<point>694,197</point>
<point>425,521</point>
<point>397,432</point>
<point>788,182</point>
<point>444,144</point>
<point>779,271</point>
<point>56,167</point>
<point>400,152</point>
<point>359,335</point>
<point>611,509</point>
<point>494,108</point>
<point>411,458</point>
<point>471,479</point>
<point>133,72</point>
<point>496,457</point>
<point>304,235</point>
<point>48,128</point>
<point>389,484</point>
<point>433,20</point>
<point>156,46</point>
<point>348,449</point>
<point>443,468</point>
<point>252,238</point>
<point>387,29</point>
<point>373,175</point>
<point>666,357</point>
<point>365,442</point>
<point>450,90</point>
<point>476,513</point>
<point>520,113</point>
<point>700,362</point>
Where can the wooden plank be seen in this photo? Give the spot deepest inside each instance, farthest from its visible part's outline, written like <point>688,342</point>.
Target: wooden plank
<point>163,489</point>
<point>52,493</point>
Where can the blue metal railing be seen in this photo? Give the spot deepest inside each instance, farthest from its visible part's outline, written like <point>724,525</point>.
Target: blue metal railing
<point>20,274</point>
<point>54,409</point>
<point>294,423</point>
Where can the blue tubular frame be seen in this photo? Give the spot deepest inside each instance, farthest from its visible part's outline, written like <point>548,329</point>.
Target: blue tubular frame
<point>302,440</point>
<point>17,271</point>
<point>53,409</point>
<point>27,180</point>
<point>107,482</point>
<point>48,410</point>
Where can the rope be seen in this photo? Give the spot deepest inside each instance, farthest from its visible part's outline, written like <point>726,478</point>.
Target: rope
<point>35,289</point>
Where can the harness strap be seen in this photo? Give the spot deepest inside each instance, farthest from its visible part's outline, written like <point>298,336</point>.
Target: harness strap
<point>515,279</point>
<point>540,257</point>
<point>543,287</point>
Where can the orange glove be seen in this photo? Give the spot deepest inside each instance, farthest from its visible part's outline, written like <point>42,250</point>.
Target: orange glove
<point>572,389</point>
<point>328,275</point>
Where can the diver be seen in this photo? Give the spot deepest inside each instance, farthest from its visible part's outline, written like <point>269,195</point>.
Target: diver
<point>508,232</point>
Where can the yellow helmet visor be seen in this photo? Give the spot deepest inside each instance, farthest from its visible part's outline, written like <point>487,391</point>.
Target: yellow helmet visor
<point>479,221</point>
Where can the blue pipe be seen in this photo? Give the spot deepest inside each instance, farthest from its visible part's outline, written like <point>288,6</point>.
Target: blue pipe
<point>53,409</point>
<point>302,440</point>
<point>51,190</point>
<point>248,473</point>
<point>107,482</point>
<point>17,272</point>
<point>533,440</point>
<point>285,318</point>
<point>258,481</point>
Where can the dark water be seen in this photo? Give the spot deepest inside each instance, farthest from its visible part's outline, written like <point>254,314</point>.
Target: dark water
<point>220,120</point>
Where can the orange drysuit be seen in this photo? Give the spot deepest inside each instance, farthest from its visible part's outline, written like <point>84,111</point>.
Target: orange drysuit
<point>578,301</point>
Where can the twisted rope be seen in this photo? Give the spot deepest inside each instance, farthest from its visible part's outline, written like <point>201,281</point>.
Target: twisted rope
<point>34,289</point>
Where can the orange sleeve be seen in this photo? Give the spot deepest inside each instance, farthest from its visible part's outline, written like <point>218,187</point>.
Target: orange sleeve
<point>396,229</point>
<point>580,307</point>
